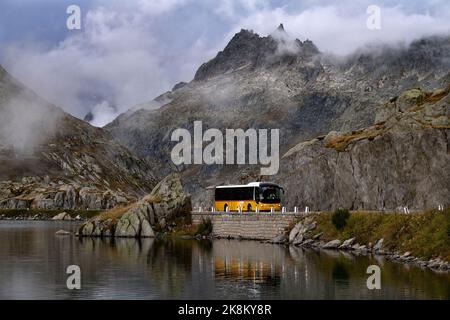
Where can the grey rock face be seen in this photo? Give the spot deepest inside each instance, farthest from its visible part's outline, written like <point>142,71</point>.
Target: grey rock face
<point>35,193</point>
<point>166,202</point>
<point>301,230</point>
<point>402,162</point>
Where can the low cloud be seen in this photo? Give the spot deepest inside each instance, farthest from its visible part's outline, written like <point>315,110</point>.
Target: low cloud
<point>341,32</point>
<point>116,62</point>
<point>128,53</point>
<point>25,122</point>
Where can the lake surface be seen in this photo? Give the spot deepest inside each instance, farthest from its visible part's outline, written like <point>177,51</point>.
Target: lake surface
<point>33,261</point>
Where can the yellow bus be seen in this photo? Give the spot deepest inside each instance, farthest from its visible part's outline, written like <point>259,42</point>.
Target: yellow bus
<point>262,195</point>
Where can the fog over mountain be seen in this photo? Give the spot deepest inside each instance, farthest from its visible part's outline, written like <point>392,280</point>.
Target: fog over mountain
<point>127,53</point>
<point>52,160</point>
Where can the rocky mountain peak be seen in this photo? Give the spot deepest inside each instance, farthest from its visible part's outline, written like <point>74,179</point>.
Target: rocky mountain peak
<point>247,50</point>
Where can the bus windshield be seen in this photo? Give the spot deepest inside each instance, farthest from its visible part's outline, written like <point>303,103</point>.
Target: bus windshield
<point>270,194</point>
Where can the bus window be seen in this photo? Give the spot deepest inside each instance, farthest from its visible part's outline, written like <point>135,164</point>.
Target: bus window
<point>270,194</point>
<point>234,194</point>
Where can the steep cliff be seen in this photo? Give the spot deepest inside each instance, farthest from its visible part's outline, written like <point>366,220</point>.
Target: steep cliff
<point>402,160</point>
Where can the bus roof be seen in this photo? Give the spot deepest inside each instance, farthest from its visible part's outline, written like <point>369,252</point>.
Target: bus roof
<point>252,184</point>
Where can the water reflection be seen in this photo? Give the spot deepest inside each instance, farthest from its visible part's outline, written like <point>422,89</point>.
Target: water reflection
<point>33,262</point>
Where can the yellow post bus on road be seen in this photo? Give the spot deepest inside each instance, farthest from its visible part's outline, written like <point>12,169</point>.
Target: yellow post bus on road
<point>262,195</point>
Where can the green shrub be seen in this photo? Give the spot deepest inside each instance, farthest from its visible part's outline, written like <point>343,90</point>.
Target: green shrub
<point>339,218</point>
<point>205,228</point>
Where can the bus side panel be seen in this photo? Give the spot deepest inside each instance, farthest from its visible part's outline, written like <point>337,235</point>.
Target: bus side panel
<point>235,205</point>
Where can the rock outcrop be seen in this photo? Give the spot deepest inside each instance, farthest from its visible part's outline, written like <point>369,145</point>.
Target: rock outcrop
<point>42,193</point>
<point>156,211</point>
<point>403,160</point>
<point>62,216</point>
<point>301,231</point>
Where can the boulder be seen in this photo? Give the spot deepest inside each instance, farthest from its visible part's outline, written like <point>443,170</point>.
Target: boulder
<point>168,199</point>
<point>62,216</point>
<point>129,224</point>
<point>62,233</point>
<point>378,245</point>
<point>282,238</point>
<point>347,243</point>
<point>307,243</point>
<point>317,236</point>
<point>146,230</point>
<point>333,244</point>
<point>166,202</point>
<point>406,254</point>
<point>300,230</point>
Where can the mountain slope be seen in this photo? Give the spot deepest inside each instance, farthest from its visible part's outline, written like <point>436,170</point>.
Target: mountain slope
<point>402,160</point>
<point>50,159</point>
<point>274,82</point>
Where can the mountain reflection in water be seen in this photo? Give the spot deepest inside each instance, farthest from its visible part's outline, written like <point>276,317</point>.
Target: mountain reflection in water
<point>33,262</point>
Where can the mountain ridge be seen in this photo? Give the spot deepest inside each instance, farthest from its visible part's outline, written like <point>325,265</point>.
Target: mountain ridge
<point>303,95</point>
<point>51,159</point>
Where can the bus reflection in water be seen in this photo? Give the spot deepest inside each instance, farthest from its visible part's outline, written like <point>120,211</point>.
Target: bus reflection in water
<point>261,196</point>
<point>245,270</point>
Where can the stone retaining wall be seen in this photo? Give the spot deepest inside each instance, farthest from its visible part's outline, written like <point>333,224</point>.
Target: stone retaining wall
<point>257,226</point>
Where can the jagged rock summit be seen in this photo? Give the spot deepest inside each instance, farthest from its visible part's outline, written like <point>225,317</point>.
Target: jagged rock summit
<point>248,50</point>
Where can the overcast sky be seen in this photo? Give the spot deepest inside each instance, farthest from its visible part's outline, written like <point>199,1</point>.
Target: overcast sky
<point>128,52</point>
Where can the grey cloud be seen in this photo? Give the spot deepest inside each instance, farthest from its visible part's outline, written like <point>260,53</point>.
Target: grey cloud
<point>131,52</point>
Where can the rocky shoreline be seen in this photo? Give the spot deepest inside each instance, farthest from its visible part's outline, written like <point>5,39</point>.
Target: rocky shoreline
<point>302,235</point>
<point>161,211</point>
<point>63,216</point>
